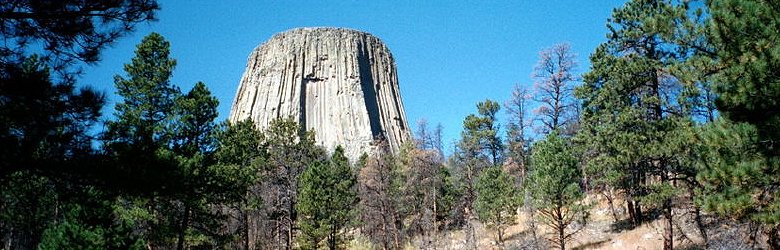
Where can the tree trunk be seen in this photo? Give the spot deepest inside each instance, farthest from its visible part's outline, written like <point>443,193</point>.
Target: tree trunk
<point>500,231</point>
<point>561,229</point>
<point>288,245</point>
<point>185,221</point>
<point>668,224</point>
<point>631,210</point>
<point>638,213</point>
<point>610,201</point>
<point>246,230</point>
<point>667,211</point>
<point>332,237</point>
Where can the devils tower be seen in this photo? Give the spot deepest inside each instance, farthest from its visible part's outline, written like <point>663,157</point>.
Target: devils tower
<point>341,83</point>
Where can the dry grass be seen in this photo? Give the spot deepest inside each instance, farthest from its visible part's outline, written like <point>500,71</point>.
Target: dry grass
<point>601,232</point>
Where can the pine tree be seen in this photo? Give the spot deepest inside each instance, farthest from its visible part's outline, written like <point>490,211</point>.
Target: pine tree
<point>48,166</point>
<point>164,141</point>
<point>67,30</point>
<point>289,150</point>
<point>148,97</point>
<point>139,139</point>
<point>631,112</point>
<point>327,195</point>
<point>480,135</point>
<point>241,156</point>
<point>497,200</point>
<point>193,140</point>
<point>480,147</point>
<point>739,171</point>
<point>554,187</point>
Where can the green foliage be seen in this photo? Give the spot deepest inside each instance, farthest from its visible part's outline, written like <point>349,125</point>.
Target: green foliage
<point>72,234</point>
<point>27,206</point>
<point>289,150</point>
<point>68,30</point>
<point>46,154</point>
<point>745,33</point>
<point>327,195</point>
<point>741,158</point>
<point>240,156</point>
<point>194,125</point>
<point>148,97</point>
<point>480,147</point>
<point>50,176</point>
<point>447,196</point>
<point>736,177</point>
<point>480,134</point>
<point>497,200</point>
<point>44,125</point>
<point>639,99</point>
<point>139,139</point>
<point>166,142</point>
<point>554,187</point>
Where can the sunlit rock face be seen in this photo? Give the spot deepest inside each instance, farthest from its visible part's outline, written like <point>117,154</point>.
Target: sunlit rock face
<point>341,83</point>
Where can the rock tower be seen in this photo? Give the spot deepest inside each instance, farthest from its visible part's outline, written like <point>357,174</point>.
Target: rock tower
<point>341,83</point>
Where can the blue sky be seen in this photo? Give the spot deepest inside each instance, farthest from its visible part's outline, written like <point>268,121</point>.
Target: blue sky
<point>450,54</point>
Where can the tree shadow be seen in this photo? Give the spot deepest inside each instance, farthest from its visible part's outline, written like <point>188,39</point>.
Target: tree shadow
<point>627,224</point>
<point>590,245</point>
<point>622,225</point>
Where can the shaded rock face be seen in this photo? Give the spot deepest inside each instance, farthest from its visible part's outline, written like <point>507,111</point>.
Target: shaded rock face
<point>340,83</point>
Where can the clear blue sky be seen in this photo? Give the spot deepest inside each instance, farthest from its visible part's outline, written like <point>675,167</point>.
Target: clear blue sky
<point>450,54</point>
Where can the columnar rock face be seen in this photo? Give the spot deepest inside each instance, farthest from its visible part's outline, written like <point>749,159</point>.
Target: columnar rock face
<point>341,83</point>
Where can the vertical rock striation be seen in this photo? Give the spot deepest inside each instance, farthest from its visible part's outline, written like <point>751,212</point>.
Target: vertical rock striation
<point>341,83</point>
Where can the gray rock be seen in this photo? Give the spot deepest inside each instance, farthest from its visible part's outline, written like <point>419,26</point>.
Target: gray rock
<point>341,83</point>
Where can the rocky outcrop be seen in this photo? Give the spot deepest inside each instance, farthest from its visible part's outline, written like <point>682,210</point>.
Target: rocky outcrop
<point>341,83</point>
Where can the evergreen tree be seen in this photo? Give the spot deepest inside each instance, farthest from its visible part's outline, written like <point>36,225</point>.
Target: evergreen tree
<point>192,133</point>
<point>139,141</point>
<point>148,97</point>
<point>632,115</point>
<point>67,30</point>
<point>44,125</point>
<point>165,141</point>
<point>734,178</point>
<point>554,187</point>
<point>46,157</point>
<point>327,194</point>
<point>480,147</point>
<point>480,135</point>
<point>289,150</point>
<point>744,33</point>
<point>241,156</point>
<point>739,171</point>
<point>48,168</point>
<point>497,200</point>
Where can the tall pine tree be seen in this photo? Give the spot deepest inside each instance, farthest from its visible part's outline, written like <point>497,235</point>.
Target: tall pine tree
<point>632,112</point>
<point>740,174</point>
<point>554,187</point>
<point>327,195</point>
